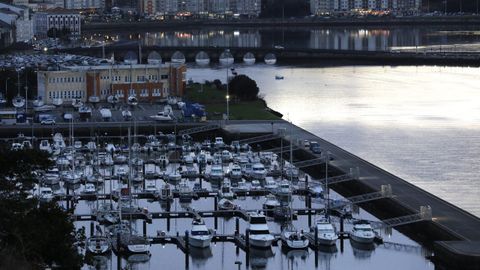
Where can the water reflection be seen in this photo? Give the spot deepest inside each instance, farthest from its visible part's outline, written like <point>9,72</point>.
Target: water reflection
<point>362,250</point>
<point>336,38</point>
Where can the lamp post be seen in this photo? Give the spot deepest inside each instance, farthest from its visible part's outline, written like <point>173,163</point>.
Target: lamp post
<point>228,93</point>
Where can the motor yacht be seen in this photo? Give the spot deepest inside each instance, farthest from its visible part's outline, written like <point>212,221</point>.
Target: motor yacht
<point>200,236</point>
<point>260,235</point>
<point>362,232</point>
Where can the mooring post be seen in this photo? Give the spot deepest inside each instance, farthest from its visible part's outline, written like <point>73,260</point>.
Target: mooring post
<point>215,207</point>
<point>168,224</point>
<point>237,226</point>
<point>341,223</point>
<point>91,228</point>
<point>247,240</point>
<point>187,249</point>
<point>145,228</point>
<point>68,198</point>
<point>316,237</point>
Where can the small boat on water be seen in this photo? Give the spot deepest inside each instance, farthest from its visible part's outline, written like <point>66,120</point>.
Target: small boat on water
<point>127,242</point>
<point>293,239</point>
<point>270,203</point>
<point>260,235</point>
<point>98,245</point>
<point>226,190</point>
<point>38,102</point>
<point>279,77</point>
<point>166,193</point>
<point>200,236</point>
<point>226,204</point>
<point>326,232</point>
<point>94,99</point>
<point>362,232</point>
<point>235,172</point>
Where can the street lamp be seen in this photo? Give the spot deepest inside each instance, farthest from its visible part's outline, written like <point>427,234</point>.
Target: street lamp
<point>228,93</point>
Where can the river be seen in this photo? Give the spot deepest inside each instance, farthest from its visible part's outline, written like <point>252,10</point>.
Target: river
<point>419,123</point>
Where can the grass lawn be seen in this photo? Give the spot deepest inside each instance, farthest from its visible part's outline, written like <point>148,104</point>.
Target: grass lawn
<point>216,105</point>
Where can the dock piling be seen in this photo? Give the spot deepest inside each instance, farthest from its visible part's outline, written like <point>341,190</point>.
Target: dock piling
<point>187,250</point>
<point>145,228</point>
<point>91,229</point>
<point>237,226</point>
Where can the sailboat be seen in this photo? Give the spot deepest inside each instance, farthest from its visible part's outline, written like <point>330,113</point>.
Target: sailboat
<point>124,241</point>
<point>98,243</point>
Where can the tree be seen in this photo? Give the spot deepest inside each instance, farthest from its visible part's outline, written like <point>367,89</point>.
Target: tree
<point>243,88</point>
<point>32,234</point>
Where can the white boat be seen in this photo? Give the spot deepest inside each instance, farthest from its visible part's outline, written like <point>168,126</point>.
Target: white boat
<point>200,236</point>
<point>132,100</point>
<point>57,102</point>
<point>151,188</point>
<point>235,172</point>
<point>161,116</point>
<point>18,101</point>
<point>127,115</point>
<point>249,58</point>
<point>255,185</point>
<point>258,171</point>
<point>242,186</point>
<point>226,190</point>
<point>270,203</point>
<point>174,177</point>
<point>216,173</point>
<point>46,194</point>
<point>270,184</point>
<point>259,233</point>
<point>130,243</point>
<point>362,232</point>
<point>38,102</point>
<point>293,239</point>
<point>166,193</point>
<point>45,146</point>
<point>72,177</point>
<point>284,189</point>
<point>171,100</point>
<point>226,156</point>
<point>98,244</point>
<point>290,171</point>
<point>226,204</point>
<point>185,192</point>
<point>326,232</point>
<point>90,189</point>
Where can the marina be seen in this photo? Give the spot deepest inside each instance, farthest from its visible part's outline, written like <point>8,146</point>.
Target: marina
<point>198,194</point>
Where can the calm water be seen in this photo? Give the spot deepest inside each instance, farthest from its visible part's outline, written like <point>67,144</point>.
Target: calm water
<point>340,38</point>
<point>420,123</point>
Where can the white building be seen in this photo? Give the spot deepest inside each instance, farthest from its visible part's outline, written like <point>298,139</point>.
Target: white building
<point>59,19</point>
<point>19,18</point>
<point>409,7</point>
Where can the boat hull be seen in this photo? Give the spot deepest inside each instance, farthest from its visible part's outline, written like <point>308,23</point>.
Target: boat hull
<point>362,239</point>
<point>260,242</point>
<point>202,242</point>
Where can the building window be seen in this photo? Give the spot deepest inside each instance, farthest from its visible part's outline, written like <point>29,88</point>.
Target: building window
<point>164,77</point>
